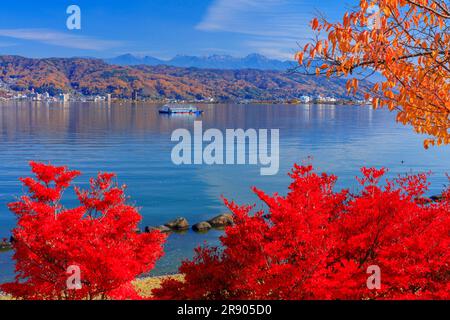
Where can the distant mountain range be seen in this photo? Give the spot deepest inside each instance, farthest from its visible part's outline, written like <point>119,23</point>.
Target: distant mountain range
<point>224,62</point>
<point>89,76</point>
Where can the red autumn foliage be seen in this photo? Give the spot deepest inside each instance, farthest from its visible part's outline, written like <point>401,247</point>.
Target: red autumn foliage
<point>99,236</point>
<point>316,243</point>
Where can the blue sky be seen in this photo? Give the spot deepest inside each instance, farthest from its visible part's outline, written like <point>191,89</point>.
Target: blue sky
<point>161,28</point>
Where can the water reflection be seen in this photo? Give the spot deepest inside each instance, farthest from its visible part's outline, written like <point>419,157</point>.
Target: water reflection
<point>85,118</point>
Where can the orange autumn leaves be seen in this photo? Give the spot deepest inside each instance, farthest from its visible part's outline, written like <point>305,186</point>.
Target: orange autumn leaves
<point>407,42</point>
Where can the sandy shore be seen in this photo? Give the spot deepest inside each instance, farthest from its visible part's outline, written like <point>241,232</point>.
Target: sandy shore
<point>145,285</point>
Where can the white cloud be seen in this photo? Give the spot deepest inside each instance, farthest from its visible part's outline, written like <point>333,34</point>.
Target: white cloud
<point>273,27</point>
<point>61,39</point>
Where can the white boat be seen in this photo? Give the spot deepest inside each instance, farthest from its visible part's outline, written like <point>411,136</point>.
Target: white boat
<point>172,109</point>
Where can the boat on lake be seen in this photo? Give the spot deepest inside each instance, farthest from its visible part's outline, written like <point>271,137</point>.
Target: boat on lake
<point>177,109</point>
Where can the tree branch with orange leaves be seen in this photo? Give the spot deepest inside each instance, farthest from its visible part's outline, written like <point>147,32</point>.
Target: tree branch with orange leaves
<point>405,41</point>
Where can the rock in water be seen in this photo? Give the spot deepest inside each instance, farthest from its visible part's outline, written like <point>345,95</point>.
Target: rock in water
<point>201,226</point>
<point>5,245</point>
<point>162,229</point>
<point>223,220</point>
<point>437,198</point>
<point>178,224</point>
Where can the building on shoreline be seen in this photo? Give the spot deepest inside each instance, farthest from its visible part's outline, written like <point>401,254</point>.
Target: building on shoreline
<point>320,99</point>
<point>64,97</point>
<point>305,99</point>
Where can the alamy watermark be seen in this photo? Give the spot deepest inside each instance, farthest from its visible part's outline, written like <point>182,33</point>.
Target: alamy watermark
<point>374,19</point>
<point>374,280</point>
<point>236,146</point>
<point>73,281</point>
<point>73,22</point>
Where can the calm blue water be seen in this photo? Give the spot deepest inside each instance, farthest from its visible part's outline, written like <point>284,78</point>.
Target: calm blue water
<point>134,141</point>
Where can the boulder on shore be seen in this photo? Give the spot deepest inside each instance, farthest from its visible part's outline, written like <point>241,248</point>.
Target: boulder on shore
<point>161,228</point>
<point>201,226</point>
<point>178,224</point>
<point>223,220</point>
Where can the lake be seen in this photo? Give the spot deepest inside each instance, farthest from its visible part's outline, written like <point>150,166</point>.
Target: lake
<point>133,140</point>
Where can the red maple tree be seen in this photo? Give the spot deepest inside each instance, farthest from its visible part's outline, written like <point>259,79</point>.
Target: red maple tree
<point>316,243</point>
<point>99,237</point>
